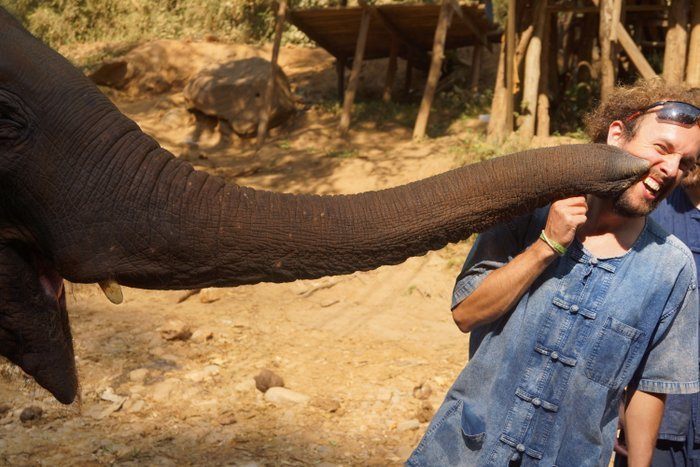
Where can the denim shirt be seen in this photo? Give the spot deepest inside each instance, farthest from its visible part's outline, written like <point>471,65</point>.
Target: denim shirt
<point>680,217</point>
<point>544,381</point>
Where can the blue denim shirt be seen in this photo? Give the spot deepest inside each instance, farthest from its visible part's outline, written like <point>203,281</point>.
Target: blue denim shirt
<point>681,218</point>
<point>544,381</point>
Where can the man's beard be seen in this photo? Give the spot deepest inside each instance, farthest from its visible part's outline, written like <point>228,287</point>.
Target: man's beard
<point>624,206</point>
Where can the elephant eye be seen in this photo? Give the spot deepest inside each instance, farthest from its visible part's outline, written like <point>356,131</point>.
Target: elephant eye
<point>13,121</point>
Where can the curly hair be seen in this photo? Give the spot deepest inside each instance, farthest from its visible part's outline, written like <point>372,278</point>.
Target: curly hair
<point>625,100</point>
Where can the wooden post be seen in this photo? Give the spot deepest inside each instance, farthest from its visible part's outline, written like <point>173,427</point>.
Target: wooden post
<point>340,64</point>
<point>408,78</point>
<point>543,121</point>
<point>533,60</point>
<point>607,50</point>
<point>355,73</point>
<point>496,130</point>
<point>446,12</point>
<point>391,70</point>
<point>693,71</point>
<point>676,42</point>
<point>271,82</point>
<point>510,56</point>
<point>476,68</point>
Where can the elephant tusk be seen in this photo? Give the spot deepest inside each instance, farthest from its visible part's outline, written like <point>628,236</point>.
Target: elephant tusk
<point>113,291</point>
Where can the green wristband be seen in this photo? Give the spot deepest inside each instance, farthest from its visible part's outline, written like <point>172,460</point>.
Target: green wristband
<point>556,246</point>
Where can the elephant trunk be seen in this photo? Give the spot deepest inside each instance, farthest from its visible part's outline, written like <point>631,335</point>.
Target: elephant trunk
<point>187,229</point>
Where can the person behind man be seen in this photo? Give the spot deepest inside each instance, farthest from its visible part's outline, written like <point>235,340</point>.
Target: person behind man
<point>569,305</point>
<point>678,442</point>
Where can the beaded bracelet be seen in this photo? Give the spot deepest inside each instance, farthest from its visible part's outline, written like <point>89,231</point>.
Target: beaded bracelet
<point>556,246</point>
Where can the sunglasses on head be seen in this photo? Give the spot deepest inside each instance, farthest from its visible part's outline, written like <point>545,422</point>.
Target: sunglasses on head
<point>671,111</point>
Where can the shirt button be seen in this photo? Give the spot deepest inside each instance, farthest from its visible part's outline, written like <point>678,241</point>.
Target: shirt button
<point>594,261</point>
<point>520,447</point>
<point>536,402</point>
<point>574,309</point>
<point>554,356</point>
<point>515,457</point>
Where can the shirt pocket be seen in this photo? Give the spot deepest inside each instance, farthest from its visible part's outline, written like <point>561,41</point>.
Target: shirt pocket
<point>614,351</point>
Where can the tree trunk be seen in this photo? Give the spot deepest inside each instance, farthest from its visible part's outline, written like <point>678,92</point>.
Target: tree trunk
<point>676,42</point>
<point>528,106</point>
<point>607,49</point>
<point>498,122</point>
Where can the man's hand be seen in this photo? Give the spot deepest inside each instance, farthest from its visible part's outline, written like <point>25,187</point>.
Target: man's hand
<point>565,216</point>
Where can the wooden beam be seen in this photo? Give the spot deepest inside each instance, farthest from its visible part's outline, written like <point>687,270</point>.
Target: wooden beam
<point>693,72</point>
<point>385,21</point>
<point>607,48</point>
<point>467,21</point>
<point>510,56</point>
<point>391,71</point>
<point>596,9</point>
<point>638,59</point>
<point>408,79</point>
<point>476,68</point>
<point>443,24</point>
<point>355,73</point>
<point>272,81</point>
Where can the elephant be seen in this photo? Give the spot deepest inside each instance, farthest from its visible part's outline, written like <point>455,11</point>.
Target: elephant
<point>88,197</point>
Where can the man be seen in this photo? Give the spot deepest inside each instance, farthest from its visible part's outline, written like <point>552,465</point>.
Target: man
<point>573,303</point>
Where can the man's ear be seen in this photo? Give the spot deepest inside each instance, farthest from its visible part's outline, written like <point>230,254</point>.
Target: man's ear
<point>616,134</point>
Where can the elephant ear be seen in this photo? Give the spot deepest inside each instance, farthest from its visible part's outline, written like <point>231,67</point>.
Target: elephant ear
<point>34,329</point>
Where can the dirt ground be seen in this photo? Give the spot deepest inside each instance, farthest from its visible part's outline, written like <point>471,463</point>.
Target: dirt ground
<point>352,348</point>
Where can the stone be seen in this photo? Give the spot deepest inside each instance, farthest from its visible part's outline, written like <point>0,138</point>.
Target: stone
<point>175,330</point>
<point>233,92</point>
<point>134,405</point>
<point>283,396</point>
<point>211,294</point>
<point>205,373</point>
<point>267,379</point>
<point>161,391</point>
<point>31,413</point>
<point>4,409</point>
<point>202,335</point>
<point>422,391</point>
<point>425,412</point>
<point>227,419</point>
<point>408,425</point>
<point>246,385</point>
<point>138,375</point>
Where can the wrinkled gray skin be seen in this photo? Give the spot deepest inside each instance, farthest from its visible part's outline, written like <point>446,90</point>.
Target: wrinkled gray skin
<point>86,196</point>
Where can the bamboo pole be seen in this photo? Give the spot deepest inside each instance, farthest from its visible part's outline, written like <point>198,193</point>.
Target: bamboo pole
<point>270,90</point>
<point>446,12</point>
<point>532,73</point>
<point>355,73</point>
<point>391,70</point>
<point>693,71</point>
<point>676,42</point>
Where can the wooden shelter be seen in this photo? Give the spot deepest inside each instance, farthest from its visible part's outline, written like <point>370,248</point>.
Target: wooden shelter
<point>552,48</point>
<point>418,33</point>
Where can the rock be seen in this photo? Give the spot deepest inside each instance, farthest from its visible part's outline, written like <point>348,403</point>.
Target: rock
<point>139,375</point>
<point>4,409</point>
<point>211,294</point>
<point>267,379</point>
<point>134,405</point>
<point>31,413</point>
<point>408,425</point>
<point>326,404</point>
<point>283,396</point>
<point>175,330</point>
<point>233,92</point>
<point>425,412</point>
<point>205,373</point>
<point>227,419</point>
<point>245,386</point>
<point>202,335</point>
<point>422,391</point>
<point>161,391</point>
<point>109,396</point>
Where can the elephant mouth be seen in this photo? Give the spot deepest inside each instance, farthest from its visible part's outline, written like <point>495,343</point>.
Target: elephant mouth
<point>34,327</point>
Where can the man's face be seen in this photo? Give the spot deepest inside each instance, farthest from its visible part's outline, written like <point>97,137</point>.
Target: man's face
<point>672,150</point>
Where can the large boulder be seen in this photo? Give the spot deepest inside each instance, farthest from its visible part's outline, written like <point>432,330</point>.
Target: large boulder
<point>234,93</point>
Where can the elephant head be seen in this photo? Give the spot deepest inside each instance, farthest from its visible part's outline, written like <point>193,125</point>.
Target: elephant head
<point>87,196</point>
